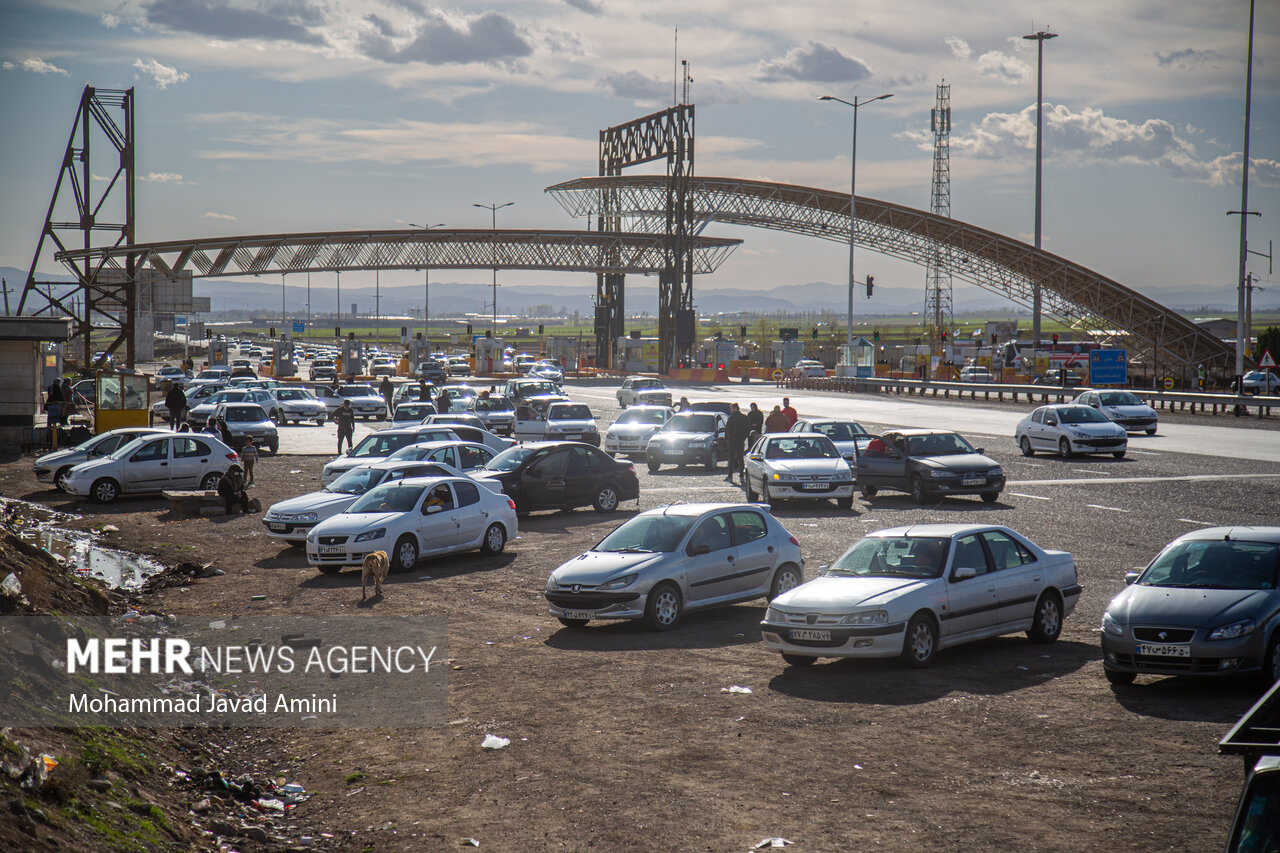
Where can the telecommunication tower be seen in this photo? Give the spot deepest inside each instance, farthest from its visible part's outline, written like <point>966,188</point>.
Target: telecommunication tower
<point>937,316</point>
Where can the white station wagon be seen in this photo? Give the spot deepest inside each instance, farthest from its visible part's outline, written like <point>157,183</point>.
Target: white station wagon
<point>908,592</point>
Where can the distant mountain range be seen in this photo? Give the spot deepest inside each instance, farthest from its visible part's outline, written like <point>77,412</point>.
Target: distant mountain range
<point>459,299</point>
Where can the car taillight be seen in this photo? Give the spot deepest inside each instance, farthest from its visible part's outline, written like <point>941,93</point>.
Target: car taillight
<point>793,540</point>
<point>233,456</point>
<point>631,467</point>
<point>511,503</point>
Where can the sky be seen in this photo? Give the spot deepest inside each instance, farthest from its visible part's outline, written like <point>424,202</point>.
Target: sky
<point>311,115</point>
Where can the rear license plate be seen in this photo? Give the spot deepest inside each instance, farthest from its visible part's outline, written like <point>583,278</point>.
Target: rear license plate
<point>276,526</point>
<point>574,437</point>
<point>579,614</point>
<point>809,634</point>
<point>1165,651</point>
<point>814,486</point>
<point>332,549</point>
<point>974,481</point>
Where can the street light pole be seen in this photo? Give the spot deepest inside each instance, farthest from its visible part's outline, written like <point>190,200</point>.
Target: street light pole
<point>1242,342</point>
<point>853,187</point>
<point>493,209</point>
<point>1039,37</point>
<point>426,284</point>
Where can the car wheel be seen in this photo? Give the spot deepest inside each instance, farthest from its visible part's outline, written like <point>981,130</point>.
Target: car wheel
<point>845,503</point>
<point>786,578</point>
<point>1119,677</point>
<point>105,491</point>
<point>573,623</point>
<point>917,489</point>
<point>1064,448</point>
<point>210,481</point>
<point>1151,431</point>
<point>798,660</point>
<point>990,497</point>
<point>713,459</point>
<point>654,466</point>
<point>60,478</point>
<point>752,494</point>
<point>1047,624</point>
<point>495,539</point>
<point>921,643</point>
<point>764,493</point>
<point>329,569</point>
<point>1119,454</point>
<point>405,555</point>
<point>664,607</point>
<point>1270,673</point>
<point>273,415</point>
<point>869,492</point>
<point>606,498</point>
<point>1025,444</point>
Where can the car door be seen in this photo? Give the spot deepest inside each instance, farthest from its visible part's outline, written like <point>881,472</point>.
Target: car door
<point>447,455</point>
<point>972,602</point>
<point>473,456</point>
<point>542,480</point>
<point>147,468</point>
<point>711,559</point>
<point>755,552</point>
<point>582,478</point>
<point>191,460</point>
<point>881,463</point>
<point>1018,575</point>
<point>471,514</point>
<point>438,520</point>
<point>528,426</point>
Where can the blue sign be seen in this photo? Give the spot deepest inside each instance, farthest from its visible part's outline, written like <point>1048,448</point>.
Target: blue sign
<point>179,320</point>
<point>299,327</point>
<point>1109,367</point>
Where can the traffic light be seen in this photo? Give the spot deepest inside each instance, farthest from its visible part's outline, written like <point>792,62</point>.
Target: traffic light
<point>742,331</point>
<point>871,282</point>
<point>1055,339</point>
<point>404,331</point>
<point>488,333</point>
<point>815,333</point>
<point>208,334</point>
<point>417,336</point>
<point>271,333</point>
<point>994,338</point>
<point>337,331</point>
<point>875,336</point>
<point>468,329</point>
<point>944,336</point>
<point>541,329</point>
<point>351,336</point>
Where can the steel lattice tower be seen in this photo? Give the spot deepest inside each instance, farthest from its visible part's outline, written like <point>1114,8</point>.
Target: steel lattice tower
<point>937,295</point>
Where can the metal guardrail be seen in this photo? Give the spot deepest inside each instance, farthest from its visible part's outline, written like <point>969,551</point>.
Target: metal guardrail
<point>1038,394</point>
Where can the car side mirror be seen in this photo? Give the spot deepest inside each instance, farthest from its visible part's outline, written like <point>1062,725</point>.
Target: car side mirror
<point>1050,421</point>
<point>698,550</point>
<point>1131,576</point>
<point>964,573</point>
<point>980,449</point>
<point>431,510</point>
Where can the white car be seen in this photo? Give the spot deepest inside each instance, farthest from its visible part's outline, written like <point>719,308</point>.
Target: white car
<point>377,446</point>
<point>497,413</point>
<point>291,519</point>
<point>365,400</point>
<point>811,368</point>
<point>296,404</point>
<point>563,421</point>
<point>173,373</point>
<point>53,467</point>
<point>153,463</point>
<point>1124,408</point>
<point>643,390</point>
<point>413,518</point>
<point>468,428</point>
<point>976,374</point>
<point>908,592</point>
<point>848,436</point>
<point>797,466</point>
<point>1068,430</point>
<point>630,433</point>
<point>1260,382</point>
<point>466,456</point>
<point>547,370</point>
<point>383,366</point>
<point>199,414</point>
<point>459,365</point>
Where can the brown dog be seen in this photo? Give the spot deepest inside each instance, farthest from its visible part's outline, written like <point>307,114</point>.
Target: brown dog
<point>376,566</point>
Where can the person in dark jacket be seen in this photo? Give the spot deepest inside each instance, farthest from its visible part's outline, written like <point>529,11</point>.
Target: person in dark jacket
<point>224,432</point>
<point>231,489</point>
<point>755,419</point>
<point>777,421</point>
<point>735,433</point>
<point>443,402</point>
<point>176,402</point>
<point>53,404</point>
<point>345,417</point>
<point>387,390</point>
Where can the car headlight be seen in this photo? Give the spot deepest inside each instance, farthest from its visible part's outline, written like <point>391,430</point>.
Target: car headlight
<point>780,477</point>
<point>936,473</point>
<point>1234,631</point>
<point>867,617</point>
<point>618,583</point>
<point>773,614</point>
<point>995,472</point>
<point>1111,626</point>
<point>699,442</point>
<point>1079,434</point>
<point>306,516</point>
<point>369,535</point>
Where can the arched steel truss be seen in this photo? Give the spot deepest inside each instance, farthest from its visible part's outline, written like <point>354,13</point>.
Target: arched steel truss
<point>565,251</point>
<point>1092,303</point>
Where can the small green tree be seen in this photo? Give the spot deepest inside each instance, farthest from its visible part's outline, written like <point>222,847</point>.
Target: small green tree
<point>1268,339</point>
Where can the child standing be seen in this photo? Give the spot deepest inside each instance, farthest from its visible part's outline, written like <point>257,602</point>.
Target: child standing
<point>249,456</point>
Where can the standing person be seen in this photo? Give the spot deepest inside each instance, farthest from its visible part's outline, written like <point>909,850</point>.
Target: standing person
<point>443,402</point>
<point>791,414</point>
<point>735,432</point>
<point>176,402</point>
<point>53,405</point>
<point>68,400</point>
<point>386,390</point>
<point>211,427</point>
<point>424,391</point>
<point>249,456</point>
<point>777,421</point>
<point>683,405</point>
<point>231,488</point>
<point>345,417</point>
<point>755,419</point>
<point>224,432</point>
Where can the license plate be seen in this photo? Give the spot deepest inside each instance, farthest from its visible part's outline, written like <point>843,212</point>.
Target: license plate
<point>574,437</point>
<point>332,549</point>
<point>814,486</point>
<point>1164,651</point>
<point>809,634</point>
<point>276,526</point>
<point>974,481</point>
<point>579,614</point>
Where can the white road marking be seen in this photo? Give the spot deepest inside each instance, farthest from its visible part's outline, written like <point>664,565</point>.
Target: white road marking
<point>1184,478</point>
<point>1194,521</point>
<point>1111,508</point>
<point>1146,452</point>
<point>1091,471</point>
<point>1030,464</point>
<point>1033,497</point>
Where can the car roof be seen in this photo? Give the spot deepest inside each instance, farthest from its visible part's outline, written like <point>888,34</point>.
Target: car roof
<point>922,431</point>
<point>937,529</point>
<point>701,508</point>
<point>826,421</point>
<point>1244,533</point>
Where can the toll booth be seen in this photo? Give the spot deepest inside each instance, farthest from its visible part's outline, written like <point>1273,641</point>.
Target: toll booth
<point>418,351</point>
<point>859,361</point>
<point>713,353</point>
<point>637,354</point>
<point>218,354</point>
<point>786,353</point>
<point>352,358</point>
<point>282,363</point>
<point>120,400</point>
<point>489,355</point>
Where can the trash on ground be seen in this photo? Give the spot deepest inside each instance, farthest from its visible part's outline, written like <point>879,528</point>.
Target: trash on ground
<point>11,587</point>
<point>772,843</point>
<point>494,742</point>
<point>217,624</point>
<point>735,689</point>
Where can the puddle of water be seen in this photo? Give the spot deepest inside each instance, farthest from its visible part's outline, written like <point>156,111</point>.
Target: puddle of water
<point>81,552</point>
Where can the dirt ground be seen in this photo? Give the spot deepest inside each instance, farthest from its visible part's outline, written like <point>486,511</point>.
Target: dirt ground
<point>622,739</point>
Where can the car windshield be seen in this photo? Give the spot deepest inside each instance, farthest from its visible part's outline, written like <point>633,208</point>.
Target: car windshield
<point>412,452</point>
<point>1119,398</point>
<point>1081,415</point>
<point>393,497</point>
<point>648,385</point>
<point>357,481</point>
<point>893,556</point>
<point>382,444</point>
<point>1215,564</point>
<point>843,431</point>
<point>244,414</point>
<point>937,444</point>
<point>690,422</point>
<point>801,447</point>
<point>575,412</point>
<point>294,394</point>
<point>357,391</point>
<point>413,412</point>
<point>642,416</point>
<point>227,397</point>
<point>647,533</point>
<point>493,404</point>
<point>127,448</point>
<point>509,459</point>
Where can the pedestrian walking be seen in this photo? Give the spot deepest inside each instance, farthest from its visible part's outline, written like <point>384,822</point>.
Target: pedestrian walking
<point>53,404</point>
<point>443,402</point>
<point>387,390</point>
<point>176,402</point>
<point>683,405</point>
<point>791,414</point>
<point>249,456</point>
<point>735,433</point>
<point>345,417</point>
<point>231,489</point>
<point>68,400</point>
<point>777,421</point>
<point>755,419</point>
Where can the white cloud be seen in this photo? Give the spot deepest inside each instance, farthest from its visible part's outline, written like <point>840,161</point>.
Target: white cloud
<point>959,47</point>
<point>162,178</point>
<point>818,63</point>
<point>163,75</point>
<point>1003,67</point>
<point>109,20</point>
<point>35,65</point>
<point>209,214</point>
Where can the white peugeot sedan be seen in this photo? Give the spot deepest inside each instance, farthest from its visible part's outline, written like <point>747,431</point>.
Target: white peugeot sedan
<point>908,592</point>
<point>1124,408</point>
<point>291,519</point>
<point>797,466</point>
<point>297,404</point>
<point>377,446</point>
<point>365,400</point>
<point>675,559</point>
<point>153,463</point>
<point>418,517</point>
<point>629,435</point>
<point>1068,430</point>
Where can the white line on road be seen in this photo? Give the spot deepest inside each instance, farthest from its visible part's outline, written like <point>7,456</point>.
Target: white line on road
<point>1195,521</point>
<point>1111,508</point>
<point>1146,452</point>
<point>1185,478</point>
<point>1033,497</point>
<point>1095,473</point>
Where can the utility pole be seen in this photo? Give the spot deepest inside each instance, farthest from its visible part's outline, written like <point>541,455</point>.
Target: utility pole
<point>493,209</point>
<point>1244,211</point>
<point>1039,37</point>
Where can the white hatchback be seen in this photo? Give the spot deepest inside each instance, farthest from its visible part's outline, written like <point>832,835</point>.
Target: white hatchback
<point>1068,430</point>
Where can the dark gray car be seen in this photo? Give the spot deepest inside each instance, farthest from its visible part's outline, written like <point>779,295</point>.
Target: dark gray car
<point>1209,604</point>
<point>927,464</point>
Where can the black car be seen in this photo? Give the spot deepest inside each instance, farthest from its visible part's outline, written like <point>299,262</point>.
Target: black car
<point>689,438</point>
<point>725,409</point>
<point>1061,378</point>
<point>562,475</point>
<point>432,371</point>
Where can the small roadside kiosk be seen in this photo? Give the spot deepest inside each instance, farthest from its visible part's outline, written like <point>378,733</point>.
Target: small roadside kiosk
<point>120,400</point>
<point>24,352</point>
